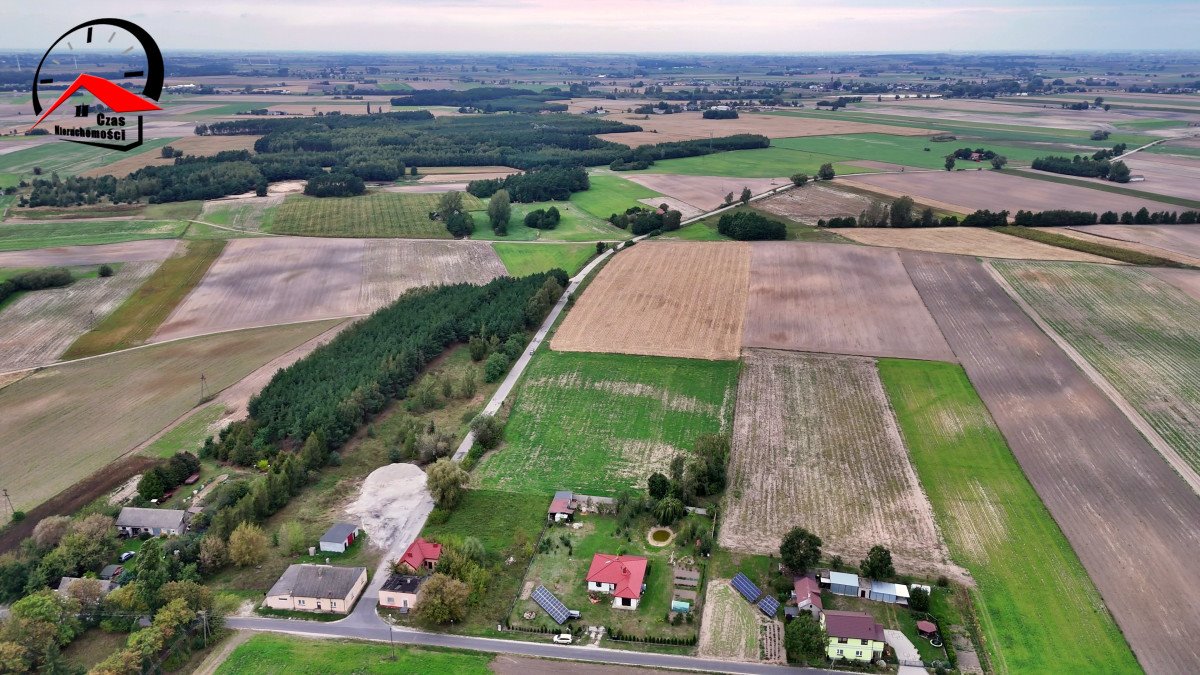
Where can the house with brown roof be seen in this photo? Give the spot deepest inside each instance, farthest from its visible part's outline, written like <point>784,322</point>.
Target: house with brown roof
<point>620,576</point>
<point>808,595</point>
<point>560,507</point>
<point>854,636</point>
<point>421,555</point>
<point>318,588</point>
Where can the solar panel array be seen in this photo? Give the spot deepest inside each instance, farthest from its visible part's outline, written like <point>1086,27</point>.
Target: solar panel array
<point>553,606</point>
<point>746,587</point>
<point>768,605</point>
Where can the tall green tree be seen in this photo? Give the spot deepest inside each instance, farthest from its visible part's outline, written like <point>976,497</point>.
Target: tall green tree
<point>901,212</point>
<point>825,172</point>
<point>499,211</point>
<point>800,550</point>
<point>150,570</point>
<point>949,162</point>
<point>746,195</point>
<point>446,481</point>
<point>877,564</point>
<point>805,640</point>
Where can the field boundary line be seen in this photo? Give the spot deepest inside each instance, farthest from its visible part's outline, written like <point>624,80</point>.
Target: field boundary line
<point>1181,467</point>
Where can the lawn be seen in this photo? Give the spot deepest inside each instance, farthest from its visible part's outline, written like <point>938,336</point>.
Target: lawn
<point>610,194</point>
<point>23,236</point>
<point>698,231</point>
<point>598,423</point>
<point>377,214</point>
<point>285,654</point>
<point>142,313</point>
<point>524,259</point>
<point>908,150</point>
<point>769,162</point>
<point>996,526</point>
<point>575,225</point>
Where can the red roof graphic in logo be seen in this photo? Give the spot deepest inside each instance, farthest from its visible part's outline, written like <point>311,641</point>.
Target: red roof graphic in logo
<point>118,99</point>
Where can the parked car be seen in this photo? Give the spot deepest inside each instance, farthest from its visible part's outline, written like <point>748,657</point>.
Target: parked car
<point>127,555</point>
<point>563,639</point>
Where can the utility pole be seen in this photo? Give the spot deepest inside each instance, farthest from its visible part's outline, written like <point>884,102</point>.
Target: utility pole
<point>9,500</point>
<point>203,387</point>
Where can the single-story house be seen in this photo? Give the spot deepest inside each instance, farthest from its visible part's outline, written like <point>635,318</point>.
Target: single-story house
<point>855,636</point>
<point>400,591</point>
<point>318,588</point>
<point>112,572</point>
<point>560,507</point>
<point>841,583</point>
<point>808,596</point>
<point>620,576</point>
<point>421,554</point>
<point>133,521</point>
<point>338,537</point>
<point>106,586</point>
<point>886,591</point>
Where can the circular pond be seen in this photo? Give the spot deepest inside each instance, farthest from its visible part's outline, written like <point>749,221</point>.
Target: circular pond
<point>660,536</point>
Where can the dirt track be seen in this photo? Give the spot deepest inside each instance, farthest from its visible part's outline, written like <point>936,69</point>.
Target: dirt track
<point>837,299</point>
<point>1130,519</point>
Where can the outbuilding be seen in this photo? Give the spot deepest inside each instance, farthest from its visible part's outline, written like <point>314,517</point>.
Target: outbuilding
<point>339,537</point>
<point>560,507</point>
<point>885,591</point>
<point>841,583</point>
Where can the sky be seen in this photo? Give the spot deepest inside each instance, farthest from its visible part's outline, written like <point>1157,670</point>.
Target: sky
<point>639,26</point>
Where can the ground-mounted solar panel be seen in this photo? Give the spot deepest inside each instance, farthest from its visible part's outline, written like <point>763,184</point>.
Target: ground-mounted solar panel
<point>553,606</point>
<point>746,587</point>
<point>768,605</point>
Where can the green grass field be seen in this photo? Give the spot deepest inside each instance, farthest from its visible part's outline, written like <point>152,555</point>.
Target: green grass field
<point>378,214</point>
<point>598,423</point>
<point>285,654</point>
<point>22,236</point>
<point>188,436</point>
<point>575,225</point>
<point>610,194</point>
<point>168,211</point>
<point>68,159</point>
<point>143,312</point>
<point>706,230</point>
<point>524,259</point>
<point>769,162</point>
<point>906,150</point>
<point>492,517</point>
<point>996,526</point>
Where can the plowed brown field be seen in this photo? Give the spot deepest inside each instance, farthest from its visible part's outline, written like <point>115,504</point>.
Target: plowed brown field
<point>663,299</point>
<point>70,256</point>
<point>965,241</point>
<point>815,445</point>
<point>815,202</point>
<point>837,299</point>
<point>1129,517</point>
<point>703,192</point>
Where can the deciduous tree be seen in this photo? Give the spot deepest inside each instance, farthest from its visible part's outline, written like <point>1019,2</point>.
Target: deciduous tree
<point>877,564</point>
<point>446,481</point>
<point>805,640</point>
<point>800,550</point>
<point>247,545</point>
<point>442,600</point>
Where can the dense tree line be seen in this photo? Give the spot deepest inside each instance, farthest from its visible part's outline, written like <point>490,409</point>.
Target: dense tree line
<point>330,393</point>
<point>550,184</point>
<point>713,114</point>
<point>1077,166</point>
<point>35,280</point>
<point>750,226</point>
<point>167,475</point>
<point>965,153</point>
<point>335,185</point>
<point>1055,218</point>
<point>644,156</point>
<point>486,99</point>
<point>640,220</point>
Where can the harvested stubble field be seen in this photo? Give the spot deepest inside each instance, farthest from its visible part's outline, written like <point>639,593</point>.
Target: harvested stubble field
<point>265,281</point>
<point>663,299</point>
<point>815,201</point>
<point>200,146</point>
<point>1128,516</point>
<point>692,125</point>
<point>967,191</point>
<point>729,627</point>
<point>965,241</point>
<point>837,299</point>
<point>758,163</point>
<point>71,256</point>
<point>797,416</point>
<point>599,423</point>
<point>1167,174</point>
<point>996,526</point>
<point>64,422</point>
<point>1175,242</point>
<point>377,214</point>
<point>704,193</point>
<point>40,325</point>
<point>1137,330</point>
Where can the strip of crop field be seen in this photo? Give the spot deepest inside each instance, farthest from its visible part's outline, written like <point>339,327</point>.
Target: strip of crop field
<point>1086,246</point>
<point>139,316</point>
<point>25,236</point>
<point>378,214</point>
<point>523,259</point>
<point>599,423</point>
<point>1114,188</point>
<point>997,527</point>
<point>1137,330</point>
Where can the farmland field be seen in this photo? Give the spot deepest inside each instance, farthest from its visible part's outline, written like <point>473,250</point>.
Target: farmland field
<point>704,193</point>
<point>378,214</point>
<point>664,299</point>
<point>996,526</point>
<point>799,415</point>
<point>1181,242</point>
<point>269,654</point>
<point>837,299</point>
<point>815,201</point>
<point>189,145</point>
<point>965,241</point>
<point>264,281</point>
<point>729,627</point>
<point>66,421</point>
<point>1126,513</point>
<point>524,259</point>
<point>39,326</point>
<point>73,256</point>
<point>610,194</point>
<point>24,236</point>
<point>758,163</point>
<point>136,320</point>
<point>1137,330</point>
<point>599,423</point>
<point>692,125</point>
<point>69,159</point>
<point>906,150</point>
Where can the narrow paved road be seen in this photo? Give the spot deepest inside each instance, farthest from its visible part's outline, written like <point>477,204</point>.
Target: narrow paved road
<point>346,628</point>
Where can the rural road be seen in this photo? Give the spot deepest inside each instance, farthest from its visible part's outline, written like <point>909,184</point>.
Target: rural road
<point>378,631</point>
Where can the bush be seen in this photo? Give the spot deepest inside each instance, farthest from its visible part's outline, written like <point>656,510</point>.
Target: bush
<point>105,271</point>
<point>335,185</point>
<point>543,219</point>
<point>495,367</point>
<point>488,430</point>
<point>712,114</point>
<point>799,179</point>
<point>918,600</point>
<point>750,226</point>
<point>18,516</point>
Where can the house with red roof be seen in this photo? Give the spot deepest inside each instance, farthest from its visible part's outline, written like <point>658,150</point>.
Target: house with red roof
<point>620,576</point>
<point>421,554</point>
<point>808,595</point>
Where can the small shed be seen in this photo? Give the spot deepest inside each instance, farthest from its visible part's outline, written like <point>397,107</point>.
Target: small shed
<point>112,572</point>
<point>560,507</point>
<point>884,591</point>
<point>339,537</point>
<point>842,583</point>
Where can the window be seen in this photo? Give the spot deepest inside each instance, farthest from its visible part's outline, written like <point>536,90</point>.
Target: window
<point>843,641</point>
<point>858,654</point>
<point>300,602</point>
<point>839,652</point>
<point>864,642</point>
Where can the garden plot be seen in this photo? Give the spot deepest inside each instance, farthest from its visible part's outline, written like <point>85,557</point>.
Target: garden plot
<point>965,241</point>
<point>663,299</point>
<point>704,192</point>
<point>259,282</point>
<point>837,299</point>
<point>729,629</point>
<point>37,328</point>
<point>815,446</point>
<point>1129,517</point>
<point>1138,331</point>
